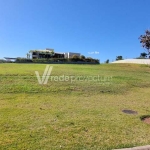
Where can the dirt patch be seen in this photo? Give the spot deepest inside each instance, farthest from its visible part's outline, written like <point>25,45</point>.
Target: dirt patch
<point>146,119</point>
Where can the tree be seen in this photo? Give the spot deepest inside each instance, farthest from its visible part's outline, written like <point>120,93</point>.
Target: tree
<point>145,40</point>
<point>107,61</point>
<point>75,57</point>
<point>28,56</point>
<point>89,58</point>
<point>82,57</point>
<point>143,55</point>
<point>119,58</point>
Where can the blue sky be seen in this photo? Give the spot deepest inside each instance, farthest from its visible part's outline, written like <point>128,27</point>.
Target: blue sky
<point>110,27</point>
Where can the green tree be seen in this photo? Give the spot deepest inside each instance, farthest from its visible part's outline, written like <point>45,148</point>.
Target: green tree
<point>82,57</point>
<point>75,58</point>
<point>119,58</point>
<point>143,55</point>
<point>107,61</point>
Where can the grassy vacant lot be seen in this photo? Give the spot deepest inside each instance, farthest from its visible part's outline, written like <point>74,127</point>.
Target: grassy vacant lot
<point>84,114</point>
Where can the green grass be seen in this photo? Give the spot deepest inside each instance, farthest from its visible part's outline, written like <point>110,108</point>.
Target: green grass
<point>79,115</point>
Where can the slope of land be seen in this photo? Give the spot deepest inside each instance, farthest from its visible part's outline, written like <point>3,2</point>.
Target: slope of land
<point>84,112</point>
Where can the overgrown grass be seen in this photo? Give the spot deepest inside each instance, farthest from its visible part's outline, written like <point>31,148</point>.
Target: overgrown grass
<point>74,115</point>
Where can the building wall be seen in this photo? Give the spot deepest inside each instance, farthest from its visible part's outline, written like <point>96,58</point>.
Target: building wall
<point>35,55</point>
<point>70,54</point>
<point>39,54</point>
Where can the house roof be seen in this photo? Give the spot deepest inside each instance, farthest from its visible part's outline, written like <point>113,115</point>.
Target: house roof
<point>9,58</point>
<point>31,51</point>
<point>58,53</point>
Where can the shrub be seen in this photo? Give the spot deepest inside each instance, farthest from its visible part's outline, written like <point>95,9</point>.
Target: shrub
<point>23,60</point>
<point>107,61</point>
<point>82,57</point>
<point>2,61</point>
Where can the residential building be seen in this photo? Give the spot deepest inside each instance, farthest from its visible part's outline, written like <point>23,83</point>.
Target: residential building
<point>36,54</point>
<point>49,53</point>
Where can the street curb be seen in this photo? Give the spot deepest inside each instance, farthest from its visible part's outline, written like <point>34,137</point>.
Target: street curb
<point>147,147</point>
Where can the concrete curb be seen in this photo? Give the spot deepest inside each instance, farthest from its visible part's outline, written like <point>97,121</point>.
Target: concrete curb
<point>147,147</point>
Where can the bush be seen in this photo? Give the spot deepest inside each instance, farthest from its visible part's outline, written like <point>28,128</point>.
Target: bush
<point>140,58</point>
<point>76,60</point>
<point>119,58</point>
<point>23,60</point>
<point>107,61</point>
<point>2,61</point>
<point>82,57</point>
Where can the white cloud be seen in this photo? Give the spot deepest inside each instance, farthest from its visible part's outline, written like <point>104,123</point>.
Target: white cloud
<point>94,52</point>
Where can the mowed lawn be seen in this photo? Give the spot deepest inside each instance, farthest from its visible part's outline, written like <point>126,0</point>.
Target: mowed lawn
<point>80,114</point>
